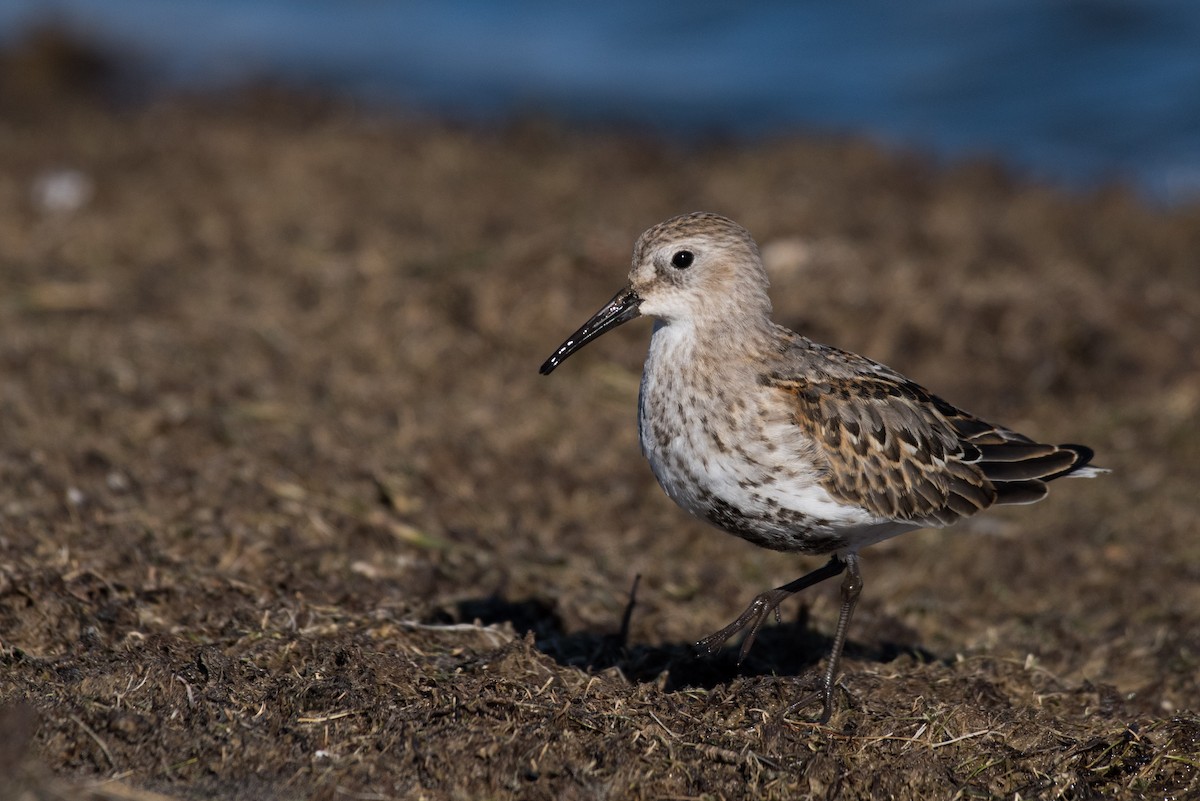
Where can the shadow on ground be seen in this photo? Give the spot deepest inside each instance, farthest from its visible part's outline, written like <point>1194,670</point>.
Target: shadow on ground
<point>786,649</point>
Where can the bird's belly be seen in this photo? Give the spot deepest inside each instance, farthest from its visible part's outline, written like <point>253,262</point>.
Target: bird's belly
<point>729,473</point>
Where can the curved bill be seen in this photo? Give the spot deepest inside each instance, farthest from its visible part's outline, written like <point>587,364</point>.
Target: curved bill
<point>621,309</point>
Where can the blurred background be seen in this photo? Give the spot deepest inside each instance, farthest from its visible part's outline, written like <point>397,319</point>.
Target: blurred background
<point>276,277</point>
<point>1071,91</point>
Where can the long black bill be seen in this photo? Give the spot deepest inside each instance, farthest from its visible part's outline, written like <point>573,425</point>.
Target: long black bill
<point>621,309</point>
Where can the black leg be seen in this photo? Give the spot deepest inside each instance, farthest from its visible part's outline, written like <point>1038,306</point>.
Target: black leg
<point>851,589</point>
<point>764,604</point>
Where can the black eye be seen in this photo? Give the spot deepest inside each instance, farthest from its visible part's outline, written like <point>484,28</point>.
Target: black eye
<point>682,260</point>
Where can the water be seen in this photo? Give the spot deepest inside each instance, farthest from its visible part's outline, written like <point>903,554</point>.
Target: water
<point>1071,91</point>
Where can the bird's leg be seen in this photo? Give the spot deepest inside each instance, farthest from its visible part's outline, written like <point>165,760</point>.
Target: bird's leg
<point>851,588</point>
<point>763,605</point>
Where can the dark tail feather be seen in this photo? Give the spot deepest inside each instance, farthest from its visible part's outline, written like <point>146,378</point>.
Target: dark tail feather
<point>1018,461</point>
<point>1082,464</point>
<point>1041,467</point>
<point>1021,477</point>
<point>1017,492</point>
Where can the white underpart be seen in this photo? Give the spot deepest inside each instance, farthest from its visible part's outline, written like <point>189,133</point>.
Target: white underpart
<point>760,481</point>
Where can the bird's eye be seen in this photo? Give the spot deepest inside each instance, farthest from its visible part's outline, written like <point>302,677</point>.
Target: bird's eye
<point>682,259</point>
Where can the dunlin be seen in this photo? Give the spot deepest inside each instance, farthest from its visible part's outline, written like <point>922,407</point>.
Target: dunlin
<point>794,445</point>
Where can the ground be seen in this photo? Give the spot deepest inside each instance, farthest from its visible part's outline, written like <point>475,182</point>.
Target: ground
<point>286,510</point>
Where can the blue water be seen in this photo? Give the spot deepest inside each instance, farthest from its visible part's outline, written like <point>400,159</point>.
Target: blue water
<point>1076,92</point>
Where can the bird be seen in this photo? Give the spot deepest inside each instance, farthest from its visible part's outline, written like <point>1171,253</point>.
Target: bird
<point>791,444</point>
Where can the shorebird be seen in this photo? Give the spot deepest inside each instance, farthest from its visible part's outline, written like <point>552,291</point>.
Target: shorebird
<point>791,444</point>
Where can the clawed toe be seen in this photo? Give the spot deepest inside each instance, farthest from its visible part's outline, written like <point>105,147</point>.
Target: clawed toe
<point>753,618</point>
<point>824,695</point>
<point>761,607</point>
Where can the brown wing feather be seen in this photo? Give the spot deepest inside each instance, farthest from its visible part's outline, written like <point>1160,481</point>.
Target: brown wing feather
<point>905,454</point>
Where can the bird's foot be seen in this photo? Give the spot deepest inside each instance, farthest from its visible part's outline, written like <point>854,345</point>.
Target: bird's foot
<point>824,695</point>
<point>754,617</point>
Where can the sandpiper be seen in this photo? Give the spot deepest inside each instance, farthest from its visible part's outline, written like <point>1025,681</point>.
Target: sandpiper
<point>791,444</point>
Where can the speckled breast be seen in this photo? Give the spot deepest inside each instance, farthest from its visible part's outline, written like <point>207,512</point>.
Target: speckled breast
<point>722,453</point>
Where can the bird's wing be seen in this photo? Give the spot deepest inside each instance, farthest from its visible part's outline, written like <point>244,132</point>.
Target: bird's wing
<point>904,454</point>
